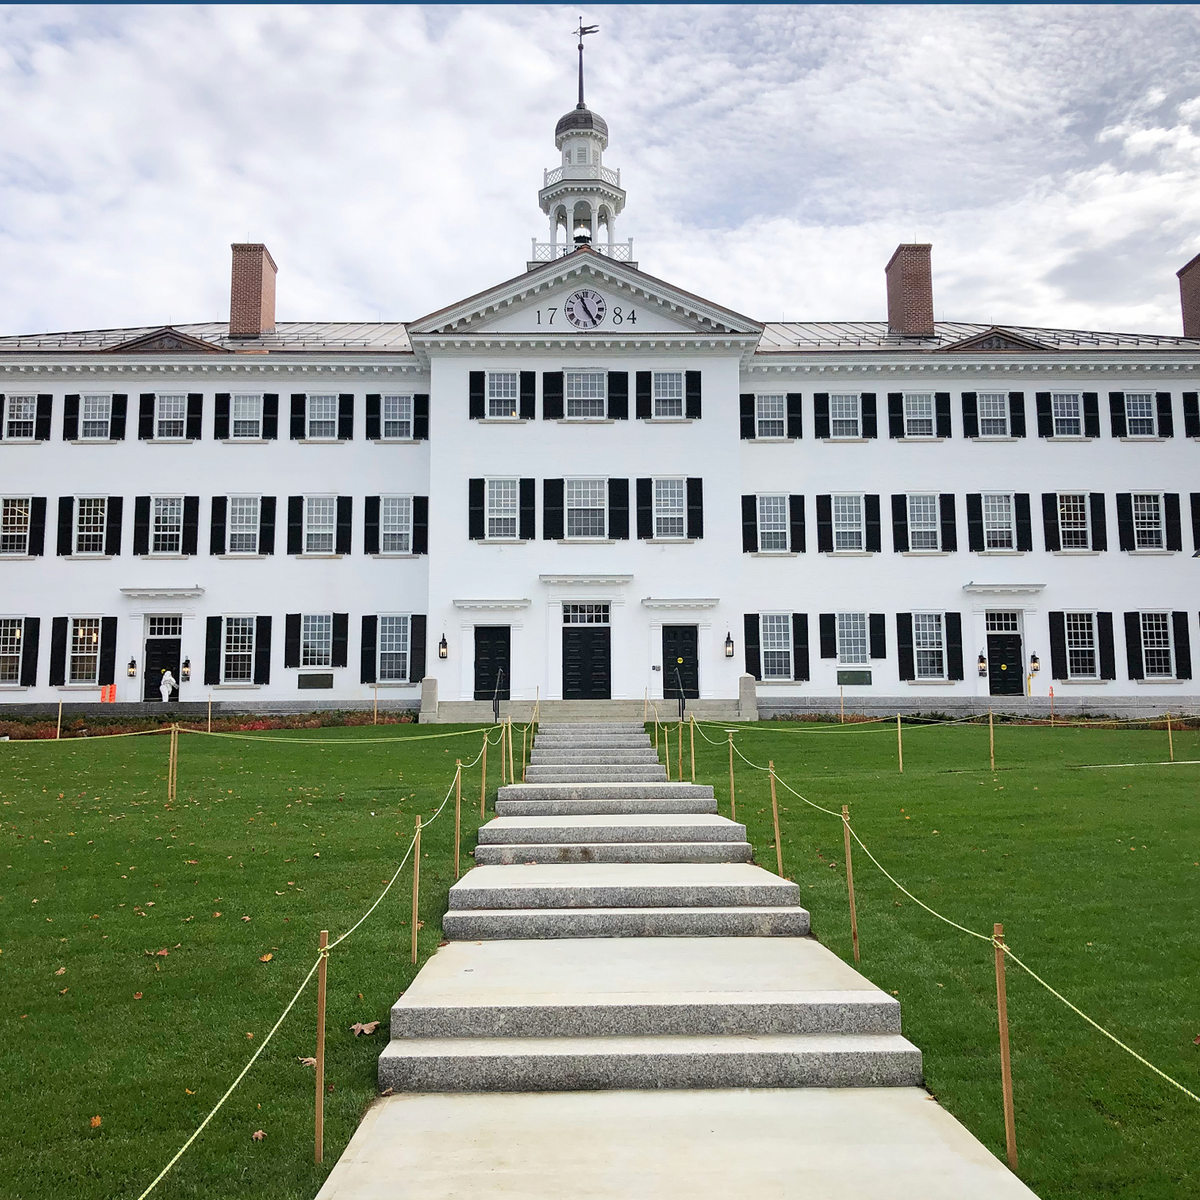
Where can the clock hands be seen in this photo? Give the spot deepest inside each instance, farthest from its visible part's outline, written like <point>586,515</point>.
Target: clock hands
<point>591,316</point>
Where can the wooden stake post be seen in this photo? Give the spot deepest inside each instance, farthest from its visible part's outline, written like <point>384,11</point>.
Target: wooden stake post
<point>667,750</point>
<point>210,712</point>
<point>992,739</point>
<point>679,752</point>
<point>842,705</point>
<point>376,720</point>
<point>1010,1127</point>
<point>732,793</point>
<point>1170,736</point>
<point>173,762</point>
<point>457,813</point>
<point>899,744</point>
<point>512,775</point>
<point>58,734</point>
<point>503,768</point>
<point>775,816</point>
<point>524,737</point>
<point>416,885</point>
<point>850,880</point>
<point>692,738</point>
<point>319,1132</point>
<point>483,780</point>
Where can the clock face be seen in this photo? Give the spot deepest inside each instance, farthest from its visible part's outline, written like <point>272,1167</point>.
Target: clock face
<point>585,309</point>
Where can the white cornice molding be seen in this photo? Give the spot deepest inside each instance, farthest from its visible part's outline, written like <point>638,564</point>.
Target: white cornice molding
<point>489,605</point>
<point>881,363</point>
<point>681,602</point>
<point>586,580</point>
<point>105,365</point>
<point>162,593</point>
<point>1003,589</point>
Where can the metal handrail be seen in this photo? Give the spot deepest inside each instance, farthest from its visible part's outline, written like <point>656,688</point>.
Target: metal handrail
<point>679,686</point>
<point>496,694</point>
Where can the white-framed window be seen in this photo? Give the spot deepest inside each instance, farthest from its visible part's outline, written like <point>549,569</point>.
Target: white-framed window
<point>320,524</point>
<point>392,640</point>
<point>924,525</point>
<point>770,416</point>
<point>918,414</point>
<point>243,521</point>
<point>1158,659</point>
<point>772,523</point>
<point>20,414</point>
<point>1140,415</point>
<point>237,661</point>
<point>395,524</point>
<point>502,508</point>
<point>848,523</point>
<point>670,508</point>
<point>993,414</point>
<point>316,640</point>
<point>84,663</point>
<point>1067,409</point>
<point>170,417</point>
<point>503,395</point>
<point>14,524</point>
<point>587,508</point>
<point>668,393</point>
<point>91,513</point>
<point>586,393</point>
<point>929,646</point>
<point>852,639</point>
<point>999,529</point>
<point>322,417</point>
<point>844,415</point>
<point>1083,662</point>
<point>95,417</point>
<point>1148,530</point>
<point>397,417</point>
<point>10,649</point>
<point>775,634</point>
<point>1074,530</point>
<point>166,525</point>
<point>245,415</point>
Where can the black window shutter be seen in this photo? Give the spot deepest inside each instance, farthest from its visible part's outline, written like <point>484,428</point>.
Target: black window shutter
<point>552,505</point>
<point>795,415</point>
<point>1191,414</point>
<point>695,507</point>
<point>195,416</point>
<point>116,427</point>
<point>796,536</point>
<point>750,636</point>
<point>527,520</point>
<point>41,424</point>
<point>374,429</point>
<point>970,414</point>
<point>800,667</point>
<point>825,524</point>
<point>1016,414</point>
<point>297,427</point>
<point>216,525</point>
<point>954,654</point>
<point>941,404</point>
<point>112,524</point>
<point>1050,525</point>
<point>345,421</point>
<point>644,497</point>
<point>476,397</point>
<point>266,525</point>
<point>295,533</point>
<point>421,417</point>
<point>262,650</point>
<point>1166,419</point>
<point>618,509</point>
<point>896,414</point>
<point>1108,653</point>
<point>107,665</point>
<point>345,524</point>
<point>1116,414</point>
<point>1058,645</point>
<point>191,524</point>
<point>528,408</point>
<point>870,426</point>
<point>827,624</point>
<point>878,627</point>
<point>821,415</point>
<point>643,399</point>
<point>141,525</point>
<point>692,390</point>
<point>1195,524</point>
<point>66,524</point>
<point>420,530</point>
<point>873,531</point>
<point>291,640</point>
<point>370,524</point>
<point>416,648</point>
<point>1099,522</point>
<point>948,520</point>
<point>1183,646</point>
<point>1091,414</point>
<point>1173,523</point>
<point>476,522</point>
<point>212,651</point>
<point>1024,521</point>
<point>749,524</point>
<point>70,418</point>
<point>904,646</point>
<point>30,636</point>
<point>975,520</point>
<point>1125,537</point>
<point>900,524</point>
<point>1045,415</point>
<point>270,418</point>
<point>146,417</point>
<point>341,638</point>
<point>37,525</point>
<point>618,395</point>
<point>746,411</point>
<point>58,652</point>
<point>552,395</point>
<point>366,653</point>
<point>1133,645</point>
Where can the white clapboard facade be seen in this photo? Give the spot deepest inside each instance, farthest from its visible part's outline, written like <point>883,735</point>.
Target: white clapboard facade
<point>585,483</point>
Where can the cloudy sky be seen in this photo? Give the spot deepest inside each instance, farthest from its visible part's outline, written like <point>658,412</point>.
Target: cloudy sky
<point>390,156</point>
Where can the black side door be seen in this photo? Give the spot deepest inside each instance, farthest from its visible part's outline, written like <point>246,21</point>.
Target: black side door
<point>1005,676</point>
<point>161,653</point>
<point>681,662</point>
<point>586,662</point>
<point>492,646</point>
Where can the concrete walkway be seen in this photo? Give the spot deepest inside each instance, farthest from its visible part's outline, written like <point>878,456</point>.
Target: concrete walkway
<point>628,1007</point>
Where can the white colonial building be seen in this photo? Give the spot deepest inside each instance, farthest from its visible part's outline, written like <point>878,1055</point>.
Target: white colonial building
<point>587,484</point>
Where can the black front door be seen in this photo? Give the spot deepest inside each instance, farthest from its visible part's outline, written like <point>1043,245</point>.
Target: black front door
<point>586,662</point>
<point>1004,664</point>
<point>681,662</point>
<point>492,645</point>
<point>161,653</point>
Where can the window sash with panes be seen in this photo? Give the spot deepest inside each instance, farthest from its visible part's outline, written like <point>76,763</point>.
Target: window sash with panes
<point>322,417</point>
<point>775,634</point>
<point>316,640</point>
<point>85,650</point>
<point>585,614</point>
<point>397,417</point>
<point>999,532</point>
<point>1158,661</point>
<point>585,393</point>
<point>852,639</point>
<point>1139,414</point>
<point>668,394</point>
<point>918,414</point>
<point>170,417</point>
<point>243,524</point>
<point>502,508</point>
<point>246,416</point>
<point>10,649</point>
<point>587,507</point>
<point>392,639</point>
<point>502,395</point>
<point>1148,521</point>
<point>924,526</point>
<point>237,664</point>
<point>847,523</point>
<point>395,524</point>
<point>1082,659</point>
<point>14,525</point>
<point>90,515</point>
<point>772,523</point>
<point>95,417</point>
<point>770,416</point>
<point>844,416</point>
<point>166,525</point>
<point>993,414</point>
<point>929,648</point>
<point>1067,410</point>
<point>20,413</point>
<point>165,626</point>
<point>1073,529</point>
<point>670,508</point>
<point>320,524</point>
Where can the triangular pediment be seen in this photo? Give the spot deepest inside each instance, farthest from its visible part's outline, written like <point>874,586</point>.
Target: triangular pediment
<point>994,339</point>
<point>583,294</point>
<point>166,341</point>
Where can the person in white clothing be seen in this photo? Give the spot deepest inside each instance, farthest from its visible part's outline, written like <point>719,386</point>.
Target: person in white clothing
<point>167,685</point>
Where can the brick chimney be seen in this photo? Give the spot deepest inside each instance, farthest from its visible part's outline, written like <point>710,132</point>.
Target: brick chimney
<point>1189,297</point>
<point>252,293</point>
<point>910,290</point>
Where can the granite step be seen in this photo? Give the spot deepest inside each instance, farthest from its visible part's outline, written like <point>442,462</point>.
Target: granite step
<point>646,754</point>
<point>511,854</point>
<point>555,727</point>
<point>605,804</point>
<point>593,741</point>
<point>585,774</point>
<point>654,827</point>
<point>612,791</point>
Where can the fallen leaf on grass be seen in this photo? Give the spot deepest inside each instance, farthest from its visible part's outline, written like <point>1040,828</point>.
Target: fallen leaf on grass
<point>265,957</point>
<point>61,971</point>
<point>245,918</point>
<point>64,991</point>
<point>369,1028</point>
<point>189,1091</point>
<point>387,1091</point>
<point>1196,1040</point>
<point>216,914</point>
<point>95,1122</point>
<point>307,1062</point>
<point>137,995</point>
<point>249,1035</point>
<point>258,1136</point>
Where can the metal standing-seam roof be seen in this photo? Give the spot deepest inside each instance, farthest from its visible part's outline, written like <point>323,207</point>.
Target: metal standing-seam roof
<point>386,337</point>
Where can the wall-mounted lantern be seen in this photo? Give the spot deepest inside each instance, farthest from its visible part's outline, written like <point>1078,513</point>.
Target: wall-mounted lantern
<point>131,670</point>
<point>728,646</point>
<point>1035,664</point>
<point>185,671</point>
<point>443,648</point>
<point>982,663</point>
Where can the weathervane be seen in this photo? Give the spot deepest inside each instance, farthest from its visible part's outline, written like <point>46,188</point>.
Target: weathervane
<point>581,32</point>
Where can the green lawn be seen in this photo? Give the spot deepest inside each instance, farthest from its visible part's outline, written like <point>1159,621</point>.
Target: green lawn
<point>116,873</point>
